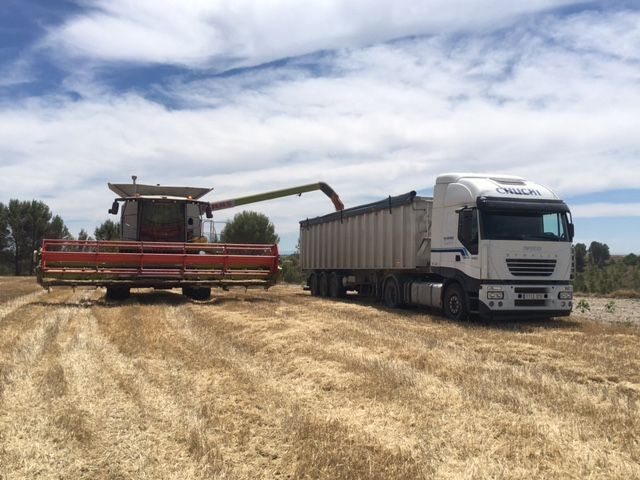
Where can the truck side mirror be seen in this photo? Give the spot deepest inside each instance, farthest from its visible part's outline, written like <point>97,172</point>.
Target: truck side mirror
<point>572,231</point>
<point>208,212</point>
<point>115,206</point>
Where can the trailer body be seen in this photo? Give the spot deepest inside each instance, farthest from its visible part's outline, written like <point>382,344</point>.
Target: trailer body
<point>382,235</point>
<point>494,245</point>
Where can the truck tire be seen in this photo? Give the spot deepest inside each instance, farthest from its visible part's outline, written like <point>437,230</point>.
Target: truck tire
<point>313,285</point>
<point>118,293</point>
<point>391,293</point>
<point>197,293</point>
<point>336,290</point>
<point>455,303</point>
<point>323,285</point>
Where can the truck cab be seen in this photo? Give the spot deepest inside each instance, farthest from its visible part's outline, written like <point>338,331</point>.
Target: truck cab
<point>503,246</point>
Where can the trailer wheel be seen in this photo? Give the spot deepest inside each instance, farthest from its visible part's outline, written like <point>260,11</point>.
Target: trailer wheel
<point>118,293</point>
<point>323,285</point>
<point>336,290</point>
<point>391,293</point>
<point>313,285</point>
<point>455,303</point>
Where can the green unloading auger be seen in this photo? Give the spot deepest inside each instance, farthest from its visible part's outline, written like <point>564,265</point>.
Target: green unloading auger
<point>285,192</point>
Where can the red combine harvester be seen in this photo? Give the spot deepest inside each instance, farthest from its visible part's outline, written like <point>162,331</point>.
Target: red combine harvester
<point>162,245</point>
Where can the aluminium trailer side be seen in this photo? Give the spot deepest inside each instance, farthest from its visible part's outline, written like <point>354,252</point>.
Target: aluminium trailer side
<point>362,248</point>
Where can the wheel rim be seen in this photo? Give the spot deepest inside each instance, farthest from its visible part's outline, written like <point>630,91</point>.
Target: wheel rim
<point>454,304</point>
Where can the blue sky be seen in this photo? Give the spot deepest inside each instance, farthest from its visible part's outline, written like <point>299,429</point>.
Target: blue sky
<point>375,98</point>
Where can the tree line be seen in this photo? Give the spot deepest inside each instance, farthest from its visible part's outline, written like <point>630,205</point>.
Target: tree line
<point>598,272</point>
<point>23,225</point>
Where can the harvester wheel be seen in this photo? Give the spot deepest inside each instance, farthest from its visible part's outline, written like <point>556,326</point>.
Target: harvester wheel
<point>118,293</point>
<point>323,285</point>
<point>197,293</point>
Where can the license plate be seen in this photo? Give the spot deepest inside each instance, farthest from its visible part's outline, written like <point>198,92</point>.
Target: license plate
<point>533,296</point>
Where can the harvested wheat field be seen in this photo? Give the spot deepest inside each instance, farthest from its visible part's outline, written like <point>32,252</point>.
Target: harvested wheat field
<point>277,384</point>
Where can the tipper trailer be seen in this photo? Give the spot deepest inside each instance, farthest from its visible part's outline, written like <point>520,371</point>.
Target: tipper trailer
<point>162,245</point>
<point>493,245</point>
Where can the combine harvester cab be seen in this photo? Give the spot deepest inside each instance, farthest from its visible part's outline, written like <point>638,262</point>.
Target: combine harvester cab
<point>162,246</point>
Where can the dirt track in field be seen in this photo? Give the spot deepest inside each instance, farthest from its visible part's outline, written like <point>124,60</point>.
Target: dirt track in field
<point>281,385</point>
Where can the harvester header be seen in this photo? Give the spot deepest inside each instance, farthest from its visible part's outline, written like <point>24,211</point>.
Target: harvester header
<point>162,245</point>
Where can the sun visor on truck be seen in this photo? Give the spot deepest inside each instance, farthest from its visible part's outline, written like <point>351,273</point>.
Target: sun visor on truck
<point>521,204</point>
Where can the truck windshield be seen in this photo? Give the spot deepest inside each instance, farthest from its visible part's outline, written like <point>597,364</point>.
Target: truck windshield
<point>524,226</point>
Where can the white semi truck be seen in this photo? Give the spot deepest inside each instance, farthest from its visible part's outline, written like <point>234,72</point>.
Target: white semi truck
<point>492,245</point>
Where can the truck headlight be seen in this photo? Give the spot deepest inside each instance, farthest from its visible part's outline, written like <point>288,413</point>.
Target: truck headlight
<point>495,295</point>
<point>566,295</point>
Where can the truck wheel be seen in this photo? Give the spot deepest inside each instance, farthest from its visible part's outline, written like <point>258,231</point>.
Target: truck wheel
<point>336,290</point>
<point>391,293</point>
<point>323,285</point>
<point>313,285</point>
<point>118,293</point>
<point>455,303</point>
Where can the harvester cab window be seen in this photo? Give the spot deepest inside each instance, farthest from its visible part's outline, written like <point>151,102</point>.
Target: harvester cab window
<point>129,223</point>
<point>162,222</point>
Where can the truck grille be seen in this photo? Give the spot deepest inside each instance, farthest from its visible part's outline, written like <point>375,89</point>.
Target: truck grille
<point>529,267</point>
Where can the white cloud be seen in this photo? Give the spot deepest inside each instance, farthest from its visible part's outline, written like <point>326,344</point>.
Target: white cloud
<point>607,210</point>
<point>227,33</point>
<point>379,120</point>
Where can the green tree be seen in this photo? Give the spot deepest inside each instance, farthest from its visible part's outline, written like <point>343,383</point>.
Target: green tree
<point>581,255</point>
<point>599,253</point>
<point>108,230</point>
<point>26,224</point>
<point>631,259</point>
<point>6,260</point>
<point>57,229</point>
<point>4,228</point>
<point>249,227</point>
<point>83,235</point>
<point>290,264</point>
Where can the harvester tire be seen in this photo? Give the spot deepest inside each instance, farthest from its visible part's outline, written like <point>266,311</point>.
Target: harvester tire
<point>118,293</point>
<point>197,293</point>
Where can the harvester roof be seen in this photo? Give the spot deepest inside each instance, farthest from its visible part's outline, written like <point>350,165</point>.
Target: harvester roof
<point>127,190</point>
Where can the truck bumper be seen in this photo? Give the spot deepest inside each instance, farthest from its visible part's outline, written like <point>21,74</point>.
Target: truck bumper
<point>525,301</point>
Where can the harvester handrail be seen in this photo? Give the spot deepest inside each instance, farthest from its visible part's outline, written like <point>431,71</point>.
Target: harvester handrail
<point>88,261</point>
